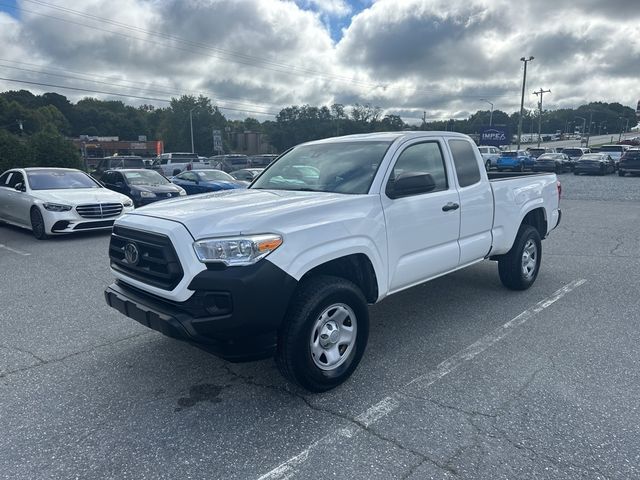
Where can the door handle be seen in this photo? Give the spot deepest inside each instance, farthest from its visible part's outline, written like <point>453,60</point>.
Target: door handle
<point>450,206</point>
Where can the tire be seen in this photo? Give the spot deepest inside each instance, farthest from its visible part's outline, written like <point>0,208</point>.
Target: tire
<point>621,173</point>
<point>521,167</point>
<point>318,304</point>
<point>519,267</point>
<point>37,224</point>
<point>488,165</point>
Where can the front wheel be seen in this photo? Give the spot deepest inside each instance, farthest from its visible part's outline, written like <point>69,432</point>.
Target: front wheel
<point>37,224</point>
<point>324,334</point>
<point>519,268</point>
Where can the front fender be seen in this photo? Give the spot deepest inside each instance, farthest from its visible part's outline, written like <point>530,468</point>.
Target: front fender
<point>306,259</point>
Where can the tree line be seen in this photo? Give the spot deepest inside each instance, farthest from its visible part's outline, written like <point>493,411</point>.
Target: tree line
<point>34,129</point>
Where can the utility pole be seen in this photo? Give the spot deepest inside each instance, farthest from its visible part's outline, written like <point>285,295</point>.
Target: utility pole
<point>424,119</point>
<point>524,82</point>
<point>540,92</point>
<point>191,124</point>
<point>589,132</point>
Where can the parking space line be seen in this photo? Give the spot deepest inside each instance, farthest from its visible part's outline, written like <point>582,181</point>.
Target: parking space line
<point>19,252</point>
<point>288,469</point>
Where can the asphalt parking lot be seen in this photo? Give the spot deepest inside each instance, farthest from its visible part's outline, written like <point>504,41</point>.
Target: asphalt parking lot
<point>461,378</point>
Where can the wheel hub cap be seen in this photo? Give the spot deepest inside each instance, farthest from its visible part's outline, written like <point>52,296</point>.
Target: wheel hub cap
<point>333,336</point>
<point>529,259</point>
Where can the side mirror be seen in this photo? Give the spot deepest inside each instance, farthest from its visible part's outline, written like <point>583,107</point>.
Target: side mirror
<point>20,187</point>
<point>410,183</point>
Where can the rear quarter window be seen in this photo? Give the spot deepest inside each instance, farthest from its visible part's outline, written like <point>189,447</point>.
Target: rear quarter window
<point>464,159</point>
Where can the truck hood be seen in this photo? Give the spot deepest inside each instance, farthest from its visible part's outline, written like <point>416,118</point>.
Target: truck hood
<point>240,211</point>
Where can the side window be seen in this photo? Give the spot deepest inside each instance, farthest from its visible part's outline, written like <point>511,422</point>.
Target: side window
<point>4,178</point>
<point>422,157</point>
<point>15,179</point>
<point>465,161</point>
<point>107,178</point>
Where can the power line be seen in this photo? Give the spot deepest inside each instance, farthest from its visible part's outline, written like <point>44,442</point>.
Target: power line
<point>78,89</point>
<point>111,83</point>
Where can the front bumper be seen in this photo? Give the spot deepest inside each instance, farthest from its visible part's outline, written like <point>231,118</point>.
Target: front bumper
<point>70,221</point>
<point>234,313</point>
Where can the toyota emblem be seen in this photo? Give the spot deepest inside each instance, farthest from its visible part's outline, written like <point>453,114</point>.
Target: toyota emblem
<point>131,253</point>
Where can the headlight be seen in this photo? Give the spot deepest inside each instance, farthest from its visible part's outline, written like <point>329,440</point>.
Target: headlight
<point>182,192</point>
<point>236,250</point>
<point>127,203</point>
<point>145,194</point>
<point>56,207</point>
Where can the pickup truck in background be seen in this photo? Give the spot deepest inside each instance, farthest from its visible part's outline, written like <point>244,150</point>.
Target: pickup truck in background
<point>173,163</point>
<point>288,266</point>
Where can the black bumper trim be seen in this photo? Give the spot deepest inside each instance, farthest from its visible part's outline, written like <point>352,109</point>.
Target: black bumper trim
<point>242,329</point>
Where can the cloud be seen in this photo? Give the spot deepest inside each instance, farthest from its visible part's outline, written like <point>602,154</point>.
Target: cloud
<point>441,56</point>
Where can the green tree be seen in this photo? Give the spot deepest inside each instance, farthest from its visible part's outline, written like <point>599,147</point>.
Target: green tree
<point>50,149</point>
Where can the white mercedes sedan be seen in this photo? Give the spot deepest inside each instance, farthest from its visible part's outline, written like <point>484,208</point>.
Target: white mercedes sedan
<point>51,201</point>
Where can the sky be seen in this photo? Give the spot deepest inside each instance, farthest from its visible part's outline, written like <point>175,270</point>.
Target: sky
<point>441,58</point>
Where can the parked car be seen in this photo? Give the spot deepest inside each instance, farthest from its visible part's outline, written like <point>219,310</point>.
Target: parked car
<point>516,160</point>
<point>201,181</point>
<point>247,174</point>
<point>552,162</point>
<point>141,186</point>
<point>535,152</point>
<point>229,163</point>
<point>117,161</point>
<point>574,153</point>
<point>490,156</point>
<point>173,163</point>
<point>50,201</point>
<point>630,162</point>
<point>262,161</point>
<point>599,163</point>
<point>287,268</point>
<point>615,151</point>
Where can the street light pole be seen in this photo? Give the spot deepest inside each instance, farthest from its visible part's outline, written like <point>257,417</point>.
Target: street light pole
<point>584,122</point>
<point>540,92</point>
<point>490,114</point>
<point>590,121</point>
<point>524,81</point>
<point>191,124</point>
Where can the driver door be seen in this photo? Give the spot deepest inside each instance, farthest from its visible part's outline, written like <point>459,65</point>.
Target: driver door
<point>422,229</point>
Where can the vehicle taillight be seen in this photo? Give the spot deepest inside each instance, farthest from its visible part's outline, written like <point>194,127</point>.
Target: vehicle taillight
<point>559,185</point>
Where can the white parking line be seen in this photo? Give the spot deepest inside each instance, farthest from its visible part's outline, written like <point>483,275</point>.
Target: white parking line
<point>19,252</point>
<point>387,405</point>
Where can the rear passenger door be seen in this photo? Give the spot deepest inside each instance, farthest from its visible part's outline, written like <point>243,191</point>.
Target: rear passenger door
<point>476,201</point>
<point>422,229</point>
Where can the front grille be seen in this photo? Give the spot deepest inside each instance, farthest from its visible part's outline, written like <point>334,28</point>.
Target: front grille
<point>157,263</point>
<point>99,210</point>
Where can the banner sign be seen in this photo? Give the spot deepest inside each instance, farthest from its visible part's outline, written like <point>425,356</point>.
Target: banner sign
<point>495,136</point>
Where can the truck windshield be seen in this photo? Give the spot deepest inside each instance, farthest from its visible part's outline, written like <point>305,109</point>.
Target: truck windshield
<point>341,167</point>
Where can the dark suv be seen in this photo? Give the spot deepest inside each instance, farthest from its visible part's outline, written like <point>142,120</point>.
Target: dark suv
<point>629,162</point>
<point>116,162</point>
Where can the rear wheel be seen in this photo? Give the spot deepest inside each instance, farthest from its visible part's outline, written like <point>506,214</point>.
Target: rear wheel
<point>519,268</point>
<point>37,224</point>
<point>324,334</point>
<point>488,165</point>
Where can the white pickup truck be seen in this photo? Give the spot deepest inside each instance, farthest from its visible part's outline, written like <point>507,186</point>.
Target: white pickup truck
<point>288,266</point>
